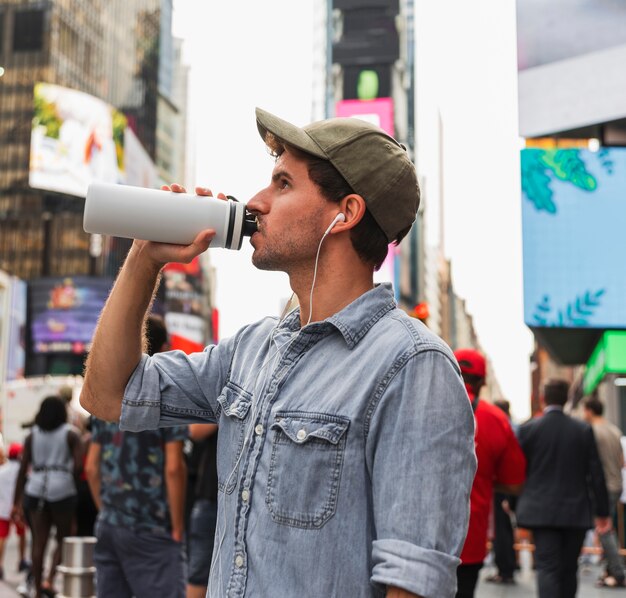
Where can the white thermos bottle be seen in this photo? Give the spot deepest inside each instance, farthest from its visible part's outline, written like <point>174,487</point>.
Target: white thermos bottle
<point>164,216</point>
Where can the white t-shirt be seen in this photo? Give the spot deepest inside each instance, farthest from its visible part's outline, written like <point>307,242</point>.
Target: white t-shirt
<point>8,477</point>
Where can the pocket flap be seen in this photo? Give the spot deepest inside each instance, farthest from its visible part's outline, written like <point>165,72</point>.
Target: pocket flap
<point>235,401</point>
<point>301,427</point>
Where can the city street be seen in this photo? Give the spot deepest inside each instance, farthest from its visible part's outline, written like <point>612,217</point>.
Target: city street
<point>524,588</point>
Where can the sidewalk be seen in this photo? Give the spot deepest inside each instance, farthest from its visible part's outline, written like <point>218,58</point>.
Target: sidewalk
<point>524,588</point>
<point>12,579</point>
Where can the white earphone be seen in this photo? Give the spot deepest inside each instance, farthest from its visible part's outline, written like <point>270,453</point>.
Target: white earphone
<point>338,218</point>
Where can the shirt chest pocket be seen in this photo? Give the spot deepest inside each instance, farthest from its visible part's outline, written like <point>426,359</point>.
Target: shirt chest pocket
<point>235,404</point>
<point>305,467</point>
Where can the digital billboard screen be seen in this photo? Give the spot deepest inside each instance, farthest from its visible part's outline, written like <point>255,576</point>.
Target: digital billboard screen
<point>64,312</point>
<point>76,138</point>
<point>573,215</point>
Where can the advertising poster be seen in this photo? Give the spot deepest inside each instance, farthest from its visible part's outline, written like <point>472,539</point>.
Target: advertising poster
<point>64,312</point>
<point>573,215</point>
<point>184,315</point>
<point>76,138</point>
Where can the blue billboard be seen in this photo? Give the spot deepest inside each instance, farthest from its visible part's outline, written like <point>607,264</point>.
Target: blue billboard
<point>64,312</point>
<point>574,241</point>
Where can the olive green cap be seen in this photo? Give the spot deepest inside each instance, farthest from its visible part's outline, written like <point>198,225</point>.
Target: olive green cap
<point>374,164</point>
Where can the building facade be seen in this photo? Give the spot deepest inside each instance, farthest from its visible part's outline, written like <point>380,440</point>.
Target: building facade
<point>572,114</point>
<point>79,95</point>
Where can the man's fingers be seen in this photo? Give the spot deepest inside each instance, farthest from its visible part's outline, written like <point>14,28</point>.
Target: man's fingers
<point>199,245</point>
<point>205,191</point>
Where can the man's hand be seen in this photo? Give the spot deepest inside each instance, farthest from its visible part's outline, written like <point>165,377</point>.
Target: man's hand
<point>400,593</point>
<point>177,535</point>
<point>603,525</point>
<point>17,514</point>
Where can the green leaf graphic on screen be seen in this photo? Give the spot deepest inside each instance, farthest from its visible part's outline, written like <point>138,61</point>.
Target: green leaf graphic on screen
<point>575,314</point>
<point>566,165</point>
<point>46,115</point>
<point>535,181</point>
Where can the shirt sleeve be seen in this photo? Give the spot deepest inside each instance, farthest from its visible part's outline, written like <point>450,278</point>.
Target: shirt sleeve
<point>97,430</point>
<point>596,475</point>
<point>176,433</point>
<point>173,388</point>
<point>420,455</point>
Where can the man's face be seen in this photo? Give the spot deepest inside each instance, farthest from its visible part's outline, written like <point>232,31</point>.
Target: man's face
<point>291,212</point>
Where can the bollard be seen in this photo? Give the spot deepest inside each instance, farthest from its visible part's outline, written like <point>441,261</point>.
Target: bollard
<point>77,567</point>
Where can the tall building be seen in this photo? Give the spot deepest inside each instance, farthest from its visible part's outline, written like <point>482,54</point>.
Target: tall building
<point>367,71</point>
<point>171,132</point>
<point>79,95</point>
<point>108,50</point>
<point>572,114</point>
<point>365,67</point>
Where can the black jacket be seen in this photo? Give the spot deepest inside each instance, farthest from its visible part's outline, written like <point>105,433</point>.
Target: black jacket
<point>565,484</point>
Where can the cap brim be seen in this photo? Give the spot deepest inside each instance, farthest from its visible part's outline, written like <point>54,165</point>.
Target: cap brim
<point>289,133</point>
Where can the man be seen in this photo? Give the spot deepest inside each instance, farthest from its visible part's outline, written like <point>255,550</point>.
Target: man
<point>501,464</point>
<point>138,484</point>
<point>503,513</point>
<point>74,417</point>
<point>203,516</point>
<point>608,439</point>
<point>345,446</point>
<point>563,471</point>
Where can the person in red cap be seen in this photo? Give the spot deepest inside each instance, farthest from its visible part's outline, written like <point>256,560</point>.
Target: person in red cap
<point>501,467</point>
<point>8,477</point>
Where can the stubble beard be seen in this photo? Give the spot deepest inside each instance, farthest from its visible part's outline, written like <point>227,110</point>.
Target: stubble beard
<point>286,254</point>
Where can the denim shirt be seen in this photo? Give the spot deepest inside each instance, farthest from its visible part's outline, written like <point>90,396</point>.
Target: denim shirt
<point>345,451</point>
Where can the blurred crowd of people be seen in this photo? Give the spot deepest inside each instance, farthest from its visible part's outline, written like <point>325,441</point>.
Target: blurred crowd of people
<point>551,481</point>
<point>150,498</point>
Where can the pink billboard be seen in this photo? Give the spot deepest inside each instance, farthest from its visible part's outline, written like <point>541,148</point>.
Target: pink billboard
<point>378,112</point>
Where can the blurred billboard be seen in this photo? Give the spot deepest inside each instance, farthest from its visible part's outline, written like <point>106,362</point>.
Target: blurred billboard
<point>64,312</point>
<point>573,216</point>
<point>77,138</point>
<point>184,300</point>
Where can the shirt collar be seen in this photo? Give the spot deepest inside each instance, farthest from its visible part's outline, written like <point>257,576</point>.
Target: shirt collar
<point>550,408</point>
<point>354,320</point>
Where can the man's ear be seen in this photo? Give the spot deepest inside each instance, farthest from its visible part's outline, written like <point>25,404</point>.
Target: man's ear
<point>353,208</point>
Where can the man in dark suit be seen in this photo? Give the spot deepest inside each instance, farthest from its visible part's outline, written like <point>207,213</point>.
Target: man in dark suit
<point>563,471</point>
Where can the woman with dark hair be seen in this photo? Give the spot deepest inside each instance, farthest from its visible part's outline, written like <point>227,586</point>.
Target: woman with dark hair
<point>52,451</point>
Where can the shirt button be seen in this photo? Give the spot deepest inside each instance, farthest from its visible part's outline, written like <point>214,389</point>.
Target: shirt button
<point>239,561</point>
<point>245,495</point>
<point>301,435</point>
<point>258,430</point>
